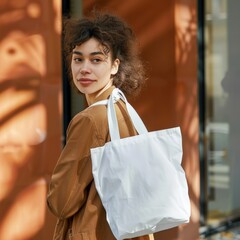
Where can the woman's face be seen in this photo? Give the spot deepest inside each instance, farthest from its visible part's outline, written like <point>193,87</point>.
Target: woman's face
<point>92,67</point>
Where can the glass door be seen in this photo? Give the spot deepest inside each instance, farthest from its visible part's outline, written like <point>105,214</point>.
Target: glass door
<point>222,109</point>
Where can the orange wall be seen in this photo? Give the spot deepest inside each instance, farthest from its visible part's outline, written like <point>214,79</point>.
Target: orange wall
<point>30,115</point>
<point>166,31</point>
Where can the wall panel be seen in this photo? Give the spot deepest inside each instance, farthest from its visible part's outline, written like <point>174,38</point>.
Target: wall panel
<point>30,115</point>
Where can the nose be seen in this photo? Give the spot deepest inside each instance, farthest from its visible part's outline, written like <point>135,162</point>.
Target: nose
<point>85,68</point>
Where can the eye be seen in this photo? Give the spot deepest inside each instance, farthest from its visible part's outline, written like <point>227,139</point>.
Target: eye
<point>77,59</point>
<point>96,60</point>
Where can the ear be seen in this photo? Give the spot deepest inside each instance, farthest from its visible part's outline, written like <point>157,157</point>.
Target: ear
<point>115,66</point>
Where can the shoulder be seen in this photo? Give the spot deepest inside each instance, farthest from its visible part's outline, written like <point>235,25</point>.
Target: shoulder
<point>91,115</point>
<point>91,121</point>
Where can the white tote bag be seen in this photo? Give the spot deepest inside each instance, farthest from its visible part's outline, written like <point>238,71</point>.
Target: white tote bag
<point>139,179</point>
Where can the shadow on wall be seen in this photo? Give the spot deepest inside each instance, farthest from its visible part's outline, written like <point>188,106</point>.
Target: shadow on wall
<point>30,115</point>
<point>187,105</point>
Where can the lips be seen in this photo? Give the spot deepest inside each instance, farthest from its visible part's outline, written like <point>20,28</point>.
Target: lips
<point>85,81</point>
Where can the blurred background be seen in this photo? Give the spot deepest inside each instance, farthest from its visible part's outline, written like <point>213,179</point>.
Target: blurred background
<point>191,51</point>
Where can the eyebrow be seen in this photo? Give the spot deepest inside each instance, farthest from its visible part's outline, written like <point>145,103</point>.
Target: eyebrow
<point>92,53</point>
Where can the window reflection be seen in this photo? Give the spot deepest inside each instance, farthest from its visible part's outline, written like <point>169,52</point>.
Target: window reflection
<point>222,111</point>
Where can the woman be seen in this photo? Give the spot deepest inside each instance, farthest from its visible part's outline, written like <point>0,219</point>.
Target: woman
<point>102,56</point>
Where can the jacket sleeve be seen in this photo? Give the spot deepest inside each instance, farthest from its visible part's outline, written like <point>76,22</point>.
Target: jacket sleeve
<point>73,172</point>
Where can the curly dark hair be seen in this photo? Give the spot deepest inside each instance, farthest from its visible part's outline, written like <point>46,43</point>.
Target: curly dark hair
<point>117,37</point>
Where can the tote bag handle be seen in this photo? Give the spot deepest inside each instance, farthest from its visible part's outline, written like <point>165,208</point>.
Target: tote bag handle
<point>112,117</point>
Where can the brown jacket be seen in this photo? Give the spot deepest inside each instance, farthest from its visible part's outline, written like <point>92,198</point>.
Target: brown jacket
<point>72,195</point>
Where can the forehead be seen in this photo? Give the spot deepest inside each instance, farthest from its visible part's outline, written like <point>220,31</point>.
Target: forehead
<point>92,45</point>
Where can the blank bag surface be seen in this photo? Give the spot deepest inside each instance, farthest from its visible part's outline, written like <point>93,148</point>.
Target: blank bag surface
<point>139,179</point>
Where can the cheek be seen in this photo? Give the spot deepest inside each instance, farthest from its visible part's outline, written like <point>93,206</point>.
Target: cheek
<point>74,69</point>
<point>106,74</point>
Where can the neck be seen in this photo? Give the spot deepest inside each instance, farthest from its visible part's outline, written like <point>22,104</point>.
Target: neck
<point>92,97</point>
